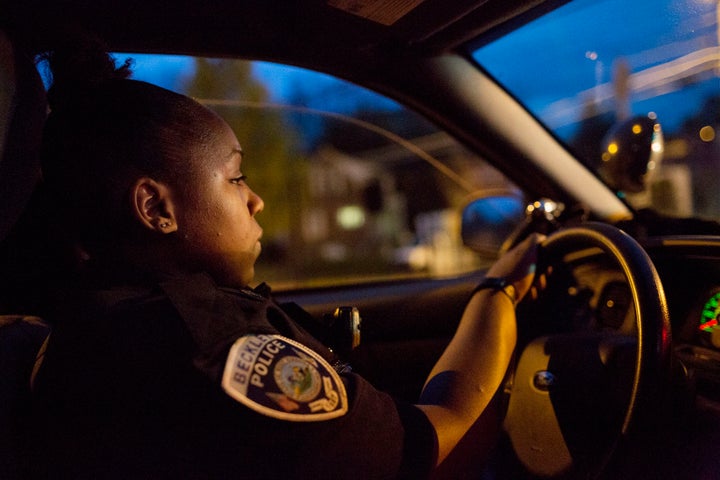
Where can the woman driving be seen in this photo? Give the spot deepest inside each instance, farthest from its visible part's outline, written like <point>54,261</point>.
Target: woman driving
<point>164,362</point>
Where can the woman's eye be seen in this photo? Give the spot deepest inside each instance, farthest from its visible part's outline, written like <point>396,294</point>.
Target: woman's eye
<point>238,180</point>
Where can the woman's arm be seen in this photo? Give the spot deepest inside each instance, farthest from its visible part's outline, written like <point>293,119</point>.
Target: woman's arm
<point>468,374</point>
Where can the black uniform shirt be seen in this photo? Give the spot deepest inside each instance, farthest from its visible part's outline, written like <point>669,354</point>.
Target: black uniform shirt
<point>130,387</point>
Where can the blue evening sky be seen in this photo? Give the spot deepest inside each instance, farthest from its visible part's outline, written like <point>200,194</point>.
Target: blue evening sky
<point>559,58</point>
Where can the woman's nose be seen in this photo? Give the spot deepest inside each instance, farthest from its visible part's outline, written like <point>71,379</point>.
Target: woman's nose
<point>255,203</point>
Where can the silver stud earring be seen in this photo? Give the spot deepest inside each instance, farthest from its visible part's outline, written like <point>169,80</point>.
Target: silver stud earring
<point>165,224</point>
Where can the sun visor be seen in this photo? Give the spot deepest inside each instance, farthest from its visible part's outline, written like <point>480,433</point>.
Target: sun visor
<point>385,12</point>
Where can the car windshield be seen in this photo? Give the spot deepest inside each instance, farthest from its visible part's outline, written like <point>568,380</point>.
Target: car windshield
<point>589,65</point>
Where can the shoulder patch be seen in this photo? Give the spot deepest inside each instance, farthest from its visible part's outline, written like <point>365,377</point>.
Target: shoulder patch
<point>283,379</point>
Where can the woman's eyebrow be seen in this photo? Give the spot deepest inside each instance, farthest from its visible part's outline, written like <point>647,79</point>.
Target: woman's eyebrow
<point>235,157</point>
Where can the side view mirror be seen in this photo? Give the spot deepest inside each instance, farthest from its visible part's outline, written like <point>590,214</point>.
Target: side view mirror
<point>489,220</point>
<point>495,223</point>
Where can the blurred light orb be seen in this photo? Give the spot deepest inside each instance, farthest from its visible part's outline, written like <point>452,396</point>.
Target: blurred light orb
<point>350,217</point>
<point>707,133</point>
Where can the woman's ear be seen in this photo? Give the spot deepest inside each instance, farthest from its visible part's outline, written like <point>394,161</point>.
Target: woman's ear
<point>153,205</point>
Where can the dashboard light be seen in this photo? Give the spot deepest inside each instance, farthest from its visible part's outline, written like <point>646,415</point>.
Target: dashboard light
<point>709,316</point>
<point>709,326</point>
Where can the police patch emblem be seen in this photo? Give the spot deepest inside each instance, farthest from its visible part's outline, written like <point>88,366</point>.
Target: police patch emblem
<point>283,379</point>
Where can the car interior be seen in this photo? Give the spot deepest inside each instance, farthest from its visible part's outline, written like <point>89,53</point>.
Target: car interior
<point>614,375</point>
<point>23,110</point>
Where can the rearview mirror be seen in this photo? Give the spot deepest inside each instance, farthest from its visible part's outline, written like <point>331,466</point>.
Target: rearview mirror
<point>632,150</point>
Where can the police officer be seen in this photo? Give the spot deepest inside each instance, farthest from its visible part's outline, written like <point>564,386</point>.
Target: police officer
<point>164,363</point>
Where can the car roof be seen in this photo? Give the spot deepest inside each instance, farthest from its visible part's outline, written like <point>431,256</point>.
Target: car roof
<point>336,34</point>
<point>402,49</point>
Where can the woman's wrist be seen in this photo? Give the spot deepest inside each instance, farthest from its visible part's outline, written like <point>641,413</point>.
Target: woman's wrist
<point>497,284</point>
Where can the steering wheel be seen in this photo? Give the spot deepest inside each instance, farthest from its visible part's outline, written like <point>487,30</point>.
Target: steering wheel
<point>575,396</point>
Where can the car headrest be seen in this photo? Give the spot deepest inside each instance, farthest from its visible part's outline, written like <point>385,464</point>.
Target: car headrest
<point>23,110</point>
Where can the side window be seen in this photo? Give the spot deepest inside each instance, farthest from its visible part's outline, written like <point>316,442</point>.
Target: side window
<point>356,187</point>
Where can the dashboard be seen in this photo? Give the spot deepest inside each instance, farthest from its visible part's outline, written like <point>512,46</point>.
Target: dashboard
<point>690,271</point>
<point>689,268</point>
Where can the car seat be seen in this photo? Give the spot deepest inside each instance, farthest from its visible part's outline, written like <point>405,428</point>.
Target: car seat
<point>22,113</point>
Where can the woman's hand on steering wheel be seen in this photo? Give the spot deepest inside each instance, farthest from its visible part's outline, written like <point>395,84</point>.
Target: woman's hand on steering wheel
<point>518,267</point>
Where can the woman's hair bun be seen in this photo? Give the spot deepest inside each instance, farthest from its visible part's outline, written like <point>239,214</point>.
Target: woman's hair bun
<point>79,65</point>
